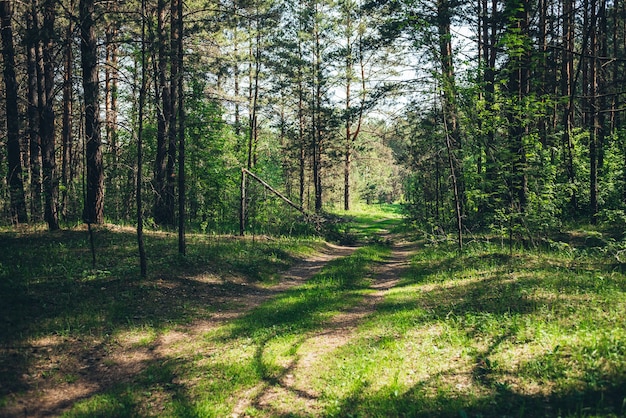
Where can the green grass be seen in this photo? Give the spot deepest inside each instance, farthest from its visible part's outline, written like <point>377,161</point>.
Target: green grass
<point>481,333</point>
<point>367,223</point>
<point>49,289</point>
<point>54,289</point>
<point>242,357</point>
<point>485,334</point>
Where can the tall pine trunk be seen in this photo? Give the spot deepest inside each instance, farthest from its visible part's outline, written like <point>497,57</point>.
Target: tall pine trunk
<point>179,114</point>
<point>94,202</point>
<point>46,86</point>
<point>316,131</point>
<point>143,265</point>
<point>14,174</point>
<point>163,210</point>
<point>66,134</point>
<point>34,140</point>
<point>450,112</point>
<point>567,91</point>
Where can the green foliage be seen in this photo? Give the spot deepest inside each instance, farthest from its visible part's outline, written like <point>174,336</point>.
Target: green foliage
<point>212,164</point>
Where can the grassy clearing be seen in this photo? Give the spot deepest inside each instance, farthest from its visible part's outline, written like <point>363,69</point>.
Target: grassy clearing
<point>366,224</point>
<point>52,298</point>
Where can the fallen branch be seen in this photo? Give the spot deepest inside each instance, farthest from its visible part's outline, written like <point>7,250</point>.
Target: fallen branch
<point>273,190</point>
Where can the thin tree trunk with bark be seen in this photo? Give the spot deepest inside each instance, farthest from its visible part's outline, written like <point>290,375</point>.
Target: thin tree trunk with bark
<point>172,132</point>
<point>110,115</point>
<point>162,213</point>
<point>14,174</point>
<point>46,77</point>
<point>36,208</point>
<point>66,132</point>
<point>178,41</point>
<point>143,268</point>
<point>567,91</point>
<point>450,112</point>
<point>317,114</point>
<point>94,202</point>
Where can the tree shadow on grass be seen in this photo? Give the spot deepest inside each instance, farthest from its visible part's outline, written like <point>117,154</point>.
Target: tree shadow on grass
<point>500,401</point>
<point>488,307</point>
<point>54,305</point>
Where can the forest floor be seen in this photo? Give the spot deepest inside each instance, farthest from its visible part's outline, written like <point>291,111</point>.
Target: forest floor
<point>57,371</point>
<point>389,326</point>
<point>93,366</point>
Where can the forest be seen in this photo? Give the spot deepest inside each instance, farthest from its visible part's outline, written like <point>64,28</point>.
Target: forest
<point>486,115</point>
<point>262,208</point>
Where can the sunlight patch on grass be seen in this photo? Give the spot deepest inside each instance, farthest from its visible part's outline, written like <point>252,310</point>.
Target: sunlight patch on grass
<point>488,333</point>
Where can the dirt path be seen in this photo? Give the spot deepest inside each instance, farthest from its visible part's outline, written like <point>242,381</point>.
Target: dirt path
<point>340,331</point>
<point>95,366</point>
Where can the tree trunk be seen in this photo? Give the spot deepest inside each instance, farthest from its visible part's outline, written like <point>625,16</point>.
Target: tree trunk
<point>66,134</point>
<point>36,208</point>
<point>94,202</point>
<point>177,42</point>
<point>110,106</point>
<point>301,126</point>
<point>142,98</point>
<point>46,76</point>
<point>450,112</point>
<point>567,91</point>
<point>162,213</point>
<point>172,132</point>
<point>348,122</point>
<point>14,174</point>
<point>317,115</point>
<point>489,55</point>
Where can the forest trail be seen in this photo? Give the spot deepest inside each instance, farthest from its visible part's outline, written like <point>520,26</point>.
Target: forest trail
<point>339,331</point>
<point>98,366</point>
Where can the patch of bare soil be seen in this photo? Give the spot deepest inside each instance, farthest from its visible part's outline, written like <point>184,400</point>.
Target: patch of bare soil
<point>341,329</point>
<point>59,371</point>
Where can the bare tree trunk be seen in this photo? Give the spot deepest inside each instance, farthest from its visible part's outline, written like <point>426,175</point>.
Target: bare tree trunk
<point>162,213</point>
<point>489,55</point>
<point>301,127</point>
<point>450,112</point>
<point>348,122</point>
<point>177,48</point>
<point>110,106</point>
<point>602,95</point>
<point>66,134</point>
<point>94,202</point>
<point>172,133</point>
<point>567,91</point>
<point>14,174</point>
<point>236,68</point>
<point>317,115</point>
